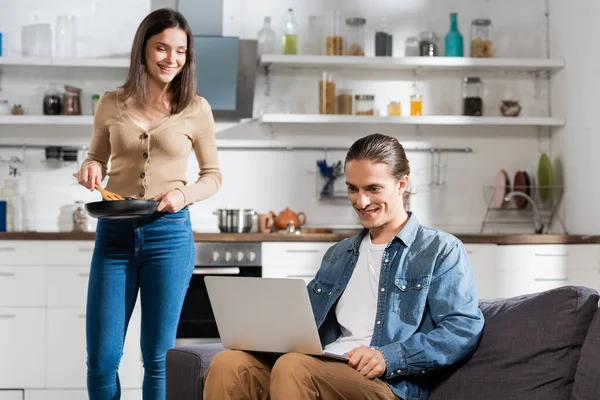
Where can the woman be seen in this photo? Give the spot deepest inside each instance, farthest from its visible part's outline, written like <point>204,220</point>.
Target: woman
<point>148,128</point>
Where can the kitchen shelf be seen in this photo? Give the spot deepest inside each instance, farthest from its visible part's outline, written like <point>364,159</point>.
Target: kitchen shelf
<point>444,120</point>
<point>47,120</point>
<point>413,63</point>
<point>65,62</point>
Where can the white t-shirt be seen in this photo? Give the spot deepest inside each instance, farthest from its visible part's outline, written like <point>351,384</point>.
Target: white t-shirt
<point>357,307</point>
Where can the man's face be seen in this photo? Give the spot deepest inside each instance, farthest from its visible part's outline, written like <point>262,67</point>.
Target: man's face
<point>375,193</point>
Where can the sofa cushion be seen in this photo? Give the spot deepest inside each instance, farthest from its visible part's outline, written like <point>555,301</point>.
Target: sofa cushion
<point>529,348</point>
<point>587,377</point>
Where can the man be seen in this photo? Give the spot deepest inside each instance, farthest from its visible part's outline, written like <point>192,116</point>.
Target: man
<point>399,300</point>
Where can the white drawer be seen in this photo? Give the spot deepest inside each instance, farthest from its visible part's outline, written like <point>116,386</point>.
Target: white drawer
<point>126,394</point>
<point>22,348</point>
<point>45,252</point>
<point>11,395</point>
<point>290,273</point>
<point>67,286</point>
<point>294,254</point>
<point>22,286</point>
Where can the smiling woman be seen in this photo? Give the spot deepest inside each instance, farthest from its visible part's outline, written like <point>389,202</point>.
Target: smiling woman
<point>147,128</point>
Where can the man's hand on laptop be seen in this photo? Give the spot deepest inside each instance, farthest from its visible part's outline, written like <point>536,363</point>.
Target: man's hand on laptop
<point>369,362</point>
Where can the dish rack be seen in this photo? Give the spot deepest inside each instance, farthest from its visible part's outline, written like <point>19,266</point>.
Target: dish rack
<point>511,215</point>
<point>334,191</point>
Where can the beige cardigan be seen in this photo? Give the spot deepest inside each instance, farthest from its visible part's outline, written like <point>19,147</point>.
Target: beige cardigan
<point>145,163</point>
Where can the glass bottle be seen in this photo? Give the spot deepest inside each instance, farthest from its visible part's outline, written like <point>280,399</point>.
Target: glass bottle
<point>334,41</point>
<point>4,107</point>
<point>290,35</point>
<point>429,43</point>
<point>383,40</point>
<point>8,193</point>
<point>356,36</point>
<point>52,102</point>
<point>27,207</point>
<point>416,102</point>
<point>266,38</point>
<point>454,40</point>
<point>327,94</point>
<point>482,45</point>
<point>472,97</point>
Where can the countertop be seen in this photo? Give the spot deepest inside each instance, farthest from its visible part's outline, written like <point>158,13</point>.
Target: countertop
<point>320,236</point>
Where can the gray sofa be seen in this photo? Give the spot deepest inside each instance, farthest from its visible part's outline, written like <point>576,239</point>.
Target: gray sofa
<point>542,346</point>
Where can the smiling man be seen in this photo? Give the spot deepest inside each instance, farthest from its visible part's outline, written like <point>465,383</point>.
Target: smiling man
<point>399,299</point>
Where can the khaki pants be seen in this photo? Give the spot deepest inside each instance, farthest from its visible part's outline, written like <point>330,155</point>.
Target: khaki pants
<point>235,374</point>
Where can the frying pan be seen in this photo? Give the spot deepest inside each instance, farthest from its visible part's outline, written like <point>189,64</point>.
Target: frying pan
<point>121,209</point>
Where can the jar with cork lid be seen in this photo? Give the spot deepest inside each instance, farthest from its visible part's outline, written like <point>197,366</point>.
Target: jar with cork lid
<point>327,94</point>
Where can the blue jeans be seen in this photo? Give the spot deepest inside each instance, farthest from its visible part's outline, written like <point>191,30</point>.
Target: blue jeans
<point>154,255</point>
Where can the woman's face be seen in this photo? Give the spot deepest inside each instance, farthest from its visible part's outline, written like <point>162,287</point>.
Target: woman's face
<point>166,54</point>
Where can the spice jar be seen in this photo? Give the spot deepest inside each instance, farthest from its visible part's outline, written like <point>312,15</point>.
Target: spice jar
<point>416,104</point>
<point>383,41</point>
<point>481,38</point>
<point>80,218</point>
<point>52,104</point>
<point>334,41</point>
<point>4,107</point>
<point>327,94</point>
<point>95,99</point>
<point>394,109</point>
<point>356,36</point>
<point>344,102</point>
<point>72,101</point>
<point>472,97</point>
<point>364,104</point>
<point>412,47</point>
<point>428,44</point>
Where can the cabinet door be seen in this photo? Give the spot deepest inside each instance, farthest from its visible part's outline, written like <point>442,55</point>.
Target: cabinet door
<point>66,361</point>
<point>294,254</point>
<point>483,263</point>
<point>22,286</point>
<point>11,395</point>
<point>67,286</point>
<point>584,265</point>
<point>22,347</point>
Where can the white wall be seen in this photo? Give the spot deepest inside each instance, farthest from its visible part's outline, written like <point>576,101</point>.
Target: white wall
<point>267,180</point>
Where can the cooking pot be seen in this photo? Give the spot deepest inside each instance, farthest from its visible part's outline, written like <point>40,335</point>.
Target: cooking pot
<point>235,220</point>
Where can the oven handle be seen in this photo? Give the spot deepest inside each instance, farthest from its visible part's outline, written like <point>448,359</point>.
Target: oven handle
<point>216,271</point>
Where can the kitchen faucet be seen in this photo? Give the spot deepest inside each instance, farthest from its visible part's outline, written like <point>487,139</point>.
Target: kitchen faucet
<point>537,223</point>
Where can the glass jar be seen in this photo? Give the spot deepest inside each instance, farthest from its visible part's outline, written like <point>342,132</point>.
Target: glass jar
<point>71,101</point>
<point>4,107</point>
<point>383,40</point>
<point>472,97</point>
<point>428,44</point>
<point>334,41</point>
<point>364,104</point>
<point>416,104</point>
<point>344,102</point>
<point>314,42</point>
<point>482,45</point>
<point>81,220</point>
<point>412,47</point>
<point>394,109</point>
<point>52,104</point>
<point>355,36</point>
<point>327,94</point>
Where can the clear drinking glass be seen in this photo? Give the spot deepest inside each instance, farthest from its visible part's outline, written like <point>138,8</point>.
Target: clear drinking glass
<point>66,36</point>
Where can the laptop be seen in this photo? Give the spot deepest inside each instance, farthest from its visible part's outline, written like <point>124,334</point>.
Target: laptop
<point>271,315</point>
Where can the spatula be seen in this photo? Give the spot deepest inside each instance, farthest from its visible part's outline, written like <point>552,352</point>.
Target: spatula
<point>106,195</point>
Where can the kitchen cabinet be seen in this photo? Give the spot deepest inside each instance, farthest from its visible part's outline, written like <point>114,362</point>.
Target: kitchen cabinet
<point>43,291</point>
<point>22,349</point>
<point>11,395</point>
<point>527,269</point>
<point>293,259</point>
<point>66,361</point>
<point>483,263</point>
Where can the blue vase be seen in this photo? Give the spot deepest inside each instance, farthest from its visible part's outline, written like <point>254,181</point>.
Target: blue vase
<point>454,40</point>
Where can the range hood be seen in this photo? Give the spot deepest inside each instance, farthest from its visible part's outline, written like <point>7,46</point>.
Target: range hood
<point>225,66</point>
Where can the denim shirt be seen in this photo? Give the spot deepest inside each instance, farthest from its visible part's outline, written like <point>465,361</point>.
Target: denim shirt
<point>427,307</point>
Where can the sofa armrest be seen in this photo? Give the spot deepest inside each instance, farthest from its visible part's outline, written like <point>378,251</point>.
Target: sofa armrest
<point>185,369</point>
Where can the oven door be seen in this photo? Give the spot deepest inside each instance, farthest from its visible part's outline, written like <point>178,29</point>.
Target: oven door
<point>197,320</point>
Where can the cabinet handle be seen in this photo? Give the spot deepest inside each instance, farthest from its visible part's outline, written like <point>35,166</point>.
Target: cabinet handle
<point>7,274</point>
<point>550,255</point>
<point>550,279</point>
<point>216,271</point>
<point>469,251</point>
<point>85,250</point>
<point>301,276</point>
<point>81,316</point>
<point>84,274</point>
<point>302,251</point>
<point>7,249</point>
<point>7,316</point>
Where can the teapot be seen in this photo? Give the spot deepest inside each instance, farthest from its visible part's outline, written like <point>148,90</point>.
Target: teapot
<point>281,221</point>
